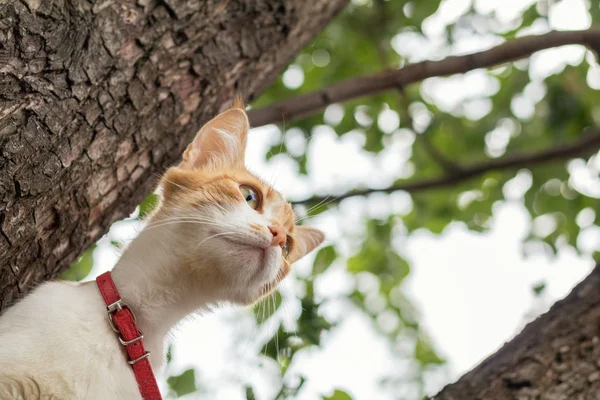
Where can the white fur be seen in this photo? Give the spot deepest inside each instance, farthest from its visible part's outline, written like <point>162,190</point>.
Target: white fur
<point>57,344</point>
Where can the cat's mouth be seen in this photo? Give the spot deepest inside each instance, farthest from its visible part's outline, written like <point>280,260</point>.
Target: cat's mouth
<point>247,246</point>
<point>270,269</point>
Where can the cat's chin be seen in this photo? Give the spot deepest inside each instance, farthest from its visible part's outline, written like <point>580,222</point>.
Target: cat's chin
<point>264,264</point>
<point>249,298</point>
<point>264,289</point>
<point>282,271</point>
<point>271,264</point>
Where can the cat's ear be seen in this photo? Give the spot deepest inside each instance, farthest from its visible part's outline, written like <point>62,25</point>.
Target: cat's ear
<point>306,239</point>
<point>220,143</point>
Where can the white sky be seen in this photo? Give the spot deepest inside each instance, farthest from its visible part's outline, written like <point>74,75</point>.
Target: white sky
<point>472,291</point>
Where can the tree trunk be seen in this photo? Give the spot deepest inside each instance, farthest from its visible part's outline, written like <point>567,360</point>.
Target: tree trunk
<point>556,357</point>
<point>97,98</point>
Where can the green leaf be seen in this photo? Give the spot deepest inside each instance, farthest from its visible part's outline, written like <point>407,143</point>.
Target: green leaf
<point>170,354</point>
<point>539,288</point>
<point>338,395</point>
<point>276,149</point>
<point>310,323</point>
<point>323,260</point>
<point>267,307</point>
<point>148,205</point>
<point>81,268</point>
<point>250,393</point>
<point>277,348</point>
<point>184,383</point>
<point>425,354</point>
<point>397,266</point>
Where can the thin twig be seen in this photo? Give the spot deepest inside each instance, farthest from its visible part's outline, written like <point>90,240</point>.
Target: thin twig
<point>589,143</point>
<point>369,84</point>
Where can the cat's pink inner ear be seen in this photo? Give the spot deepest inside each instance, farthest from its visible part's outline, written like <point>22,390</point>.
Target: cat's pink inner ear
<point>220,143</point>
<point>306,239</point>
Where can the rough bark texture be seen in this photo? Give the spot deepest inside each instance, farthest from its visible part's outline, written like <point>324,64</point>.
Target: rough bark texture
<point>556,357</point>
<point>98,97</point>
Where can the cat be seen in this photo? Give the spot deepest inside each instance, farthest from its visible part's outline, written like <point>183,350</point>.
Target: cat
<point>219,234</point>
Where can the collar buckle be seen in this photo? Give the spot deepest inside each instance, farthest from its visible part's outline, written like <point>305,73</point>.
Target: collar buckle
<point>114,308</point>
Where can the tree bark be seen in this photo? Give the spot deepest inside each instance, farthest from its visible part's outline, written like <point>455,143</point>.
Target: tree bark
<point>556,357</point>
<point>97,98</point>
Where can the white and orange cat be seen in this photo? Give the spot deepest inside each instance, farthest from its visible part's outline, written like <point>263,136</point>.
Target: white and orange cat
<point>219,234</point>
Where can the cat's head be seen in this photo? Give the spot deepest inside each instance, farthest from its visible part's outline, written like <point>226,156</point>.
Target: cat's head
<point>235,231</point>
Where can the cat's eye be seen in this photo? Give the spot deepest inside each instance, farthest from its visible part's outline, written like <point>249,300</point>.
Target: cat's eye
<point>285,249</point>
<point>250,196</point>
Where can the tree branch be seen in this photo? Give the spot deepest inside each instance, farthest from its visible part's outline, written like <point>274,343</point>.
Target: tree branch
<point>589,143</point>
<point>369,84</point>
<point>554,357</point>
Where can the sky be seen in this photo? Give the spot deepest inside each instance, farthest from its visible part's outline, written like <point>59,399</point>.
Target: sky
<point>472,291</point>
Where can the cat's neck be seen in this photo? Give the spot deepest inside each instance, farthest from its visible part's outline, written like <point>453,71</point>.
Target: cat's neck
<point>145,278</point>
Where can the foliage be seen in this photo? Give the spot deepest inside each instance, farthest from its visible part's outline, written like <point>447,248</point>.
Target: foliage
<point>184,383</point>
<point>81,268</point>
<point>513,111</point>
<point>148,205</point>
<point>338,395</point>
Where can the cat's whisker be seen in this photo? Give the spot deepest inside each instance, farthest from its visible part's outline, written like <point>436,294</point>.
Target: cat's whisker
<point>262,317</point>
<point>187,214</point>
<point>276,327</point>
<point>304,218</point>
<point>232,233</point>
<point>159,225</point>
<point>148,228</point>
<point>249,339</point>
<point>270,314</point>
<point>215,235</point>
<point>190,212</point>
<point>181,219</point>
<point>330,201</point>
<point>175,183</point>
<point>262,320</point>
<point>314,207</point>
<point>220,207</point>
<point>276,167</point>
<point>285,313</point>
<point>191,219</point>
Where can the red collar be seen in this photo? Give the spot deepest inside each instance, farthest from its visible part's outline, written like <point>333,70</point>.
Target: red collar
<point>122,321</point>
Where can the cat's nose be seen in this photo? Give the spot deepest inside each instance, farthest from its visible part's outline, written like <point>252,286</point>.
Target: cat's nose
<point>279,236</point>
